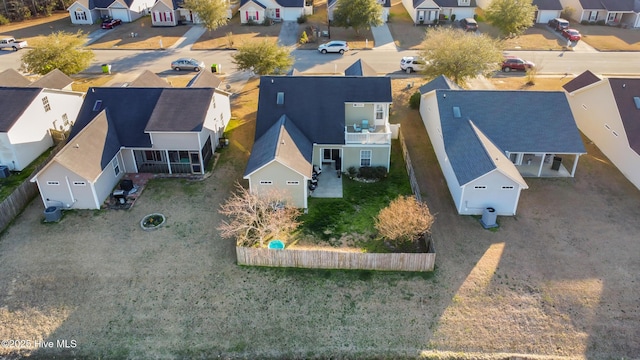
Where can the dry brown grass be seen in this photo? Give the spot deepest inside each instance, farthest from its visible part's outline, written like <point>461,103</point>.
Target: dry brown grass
<point>217,39</point>
<point>541,83</point>
<point>38,28</point>
<point>405,34</point>
<point>609,38</point>
<point>148,37</point>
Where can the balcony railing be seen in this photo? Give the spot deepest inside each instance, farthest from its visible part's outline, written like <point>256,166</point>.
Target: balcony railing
<point>381,135</point>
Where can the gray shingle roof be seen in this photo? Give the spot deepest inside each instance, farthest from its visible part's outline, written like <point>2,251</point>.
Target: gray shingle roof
<point>13,102</point>
<point>425,4</point>
<point>13,78</point>
<point>454,3</point>
<point>515,121</point>
<point>204,79</point>
<point>440,83</point>
<point>316,104</point>
<point>149,79</point>
<point>291,3</point>
<point>131,110</point>
<point>283,142</point>
<point>360,68</point>
<point>582,80</point>
<point>548,4</point>
<point>243,2</point>
<point>624,91</point>
<point>55,79</point>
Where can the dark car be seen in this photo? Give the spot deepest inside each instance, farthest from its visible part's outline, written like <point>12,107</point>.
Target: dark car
<point>571,34</point>
<point>558,24</point>
<point>469,24</point>
<point>111,23</point>
<point>514,63</point>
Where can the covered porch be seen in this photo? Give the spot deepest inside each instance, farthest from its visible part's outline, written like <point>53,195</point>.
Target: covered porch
<point>545,165</point>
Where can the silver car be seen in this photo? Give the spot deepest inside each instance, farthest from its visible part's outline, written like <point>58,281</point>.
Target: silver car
<point>187,64</point>
<point>335,46</point>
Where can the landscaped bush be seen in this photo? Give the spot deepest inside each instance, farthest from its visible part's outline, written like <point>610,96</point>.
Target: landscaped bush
<point>404,220</point>
<point>352,171</point>
<point>304,38</point>
<point>585,22</point>
<point>601,22</point>
<point>372,173</point>
<point>414,100</point>
<point>302,19</point>
<point>3,20</point>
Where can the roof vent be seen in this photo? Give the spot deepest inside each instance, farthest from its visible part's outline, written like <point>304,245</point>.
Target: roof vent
<point>636,99</point>
<point>456,112</point>
<point>97,105</point>
<point>280,98</point>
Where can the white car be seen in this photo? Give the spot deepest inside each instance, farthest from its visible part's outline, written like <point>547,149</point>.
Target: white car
<point>412,63</point>
<point>335,46</point>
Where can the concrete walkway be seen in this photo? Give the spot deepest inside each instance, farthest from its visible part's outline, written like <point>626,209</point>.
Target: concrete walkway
<point>382,38</point>
<point>189,38</point>
<point>289,33</point>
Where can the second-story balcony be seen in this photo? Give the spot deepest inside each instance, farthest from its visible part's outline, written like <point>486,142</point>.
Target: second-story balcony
<point>381,134</point>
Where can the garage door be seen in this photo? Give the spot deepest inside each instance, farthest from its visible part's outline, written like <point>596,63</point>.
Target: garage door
<point>291,14</point>
<point>122,14</point>
<point>545,16</point>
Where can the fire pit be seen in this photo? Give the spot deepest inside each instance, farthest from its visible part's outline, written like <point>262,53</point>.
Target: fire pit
<point>152,221</point>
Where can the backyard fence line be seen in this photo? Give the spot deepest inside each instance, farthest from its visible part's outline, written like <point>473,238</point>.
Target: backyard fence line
<point>13,205</point>
<point>407,163</point>
<point>321,259</point>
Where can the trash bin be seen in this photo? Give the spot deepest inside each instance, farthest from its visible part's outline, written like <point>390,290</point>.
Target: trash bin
<point>106,68</point>
<point>214,68</point>
<point>556,163</point>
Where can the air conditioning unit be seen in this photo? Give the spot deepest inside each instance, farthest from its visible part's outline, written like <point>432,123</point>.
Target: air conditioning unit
<point>4,172</point>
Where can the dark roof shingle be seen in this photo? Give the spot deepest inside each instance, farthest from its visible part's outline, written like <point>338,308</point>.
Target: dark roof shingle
<point>13,102</point>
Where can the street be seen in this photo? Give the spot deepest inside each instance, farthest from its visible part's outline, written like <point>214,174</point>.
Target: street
<point>312,62</point>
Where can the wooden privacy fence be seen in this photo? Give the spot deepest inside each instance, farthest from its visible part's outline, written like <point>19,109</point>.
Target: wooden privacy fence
<point>407,163</point>
<point>321,259</point>
<point>22,195</point>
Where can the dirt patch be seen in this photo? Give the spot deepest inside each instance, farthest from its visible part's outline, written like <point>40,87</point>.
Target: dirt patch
<point>555,280</point>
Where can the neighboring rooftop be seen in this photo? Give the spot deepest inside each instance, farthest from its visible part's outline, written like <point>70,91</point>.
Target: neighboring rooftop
<point>13,102</point>
<point>55,79</point>
<point>580,81</point>
<point>13,78</point>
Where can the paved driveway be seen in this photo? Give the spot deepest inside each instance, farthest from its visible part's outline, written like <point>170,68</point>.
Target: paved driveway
<point>289,33</point>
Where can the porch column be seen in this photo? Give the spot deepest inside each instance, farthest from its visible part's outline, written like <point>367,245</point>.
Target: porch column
<point>575,164</point>
<point>541,164</point>
<point>166,153</point>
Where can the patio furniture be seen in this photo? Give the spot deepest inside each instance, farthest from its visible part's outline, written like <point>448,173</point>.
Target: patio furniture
<point>372,128</point>
<point>317,170</point>
<point>365,124</point>
<point>356,128</point>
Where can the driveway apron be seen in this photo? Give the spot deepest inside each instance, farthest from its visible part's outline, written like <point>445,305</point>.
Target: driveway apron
<point>382,38</point>
<point>288,33</point>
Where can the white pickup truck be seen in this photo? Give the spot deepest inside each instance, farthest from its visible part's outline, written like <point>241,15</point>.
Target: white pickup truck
<point>12,43</point>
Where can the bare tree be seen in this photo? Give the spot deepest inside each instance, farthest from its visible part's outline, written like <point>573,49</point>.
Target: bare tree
<point>254,218</point>
<point>405,219</point>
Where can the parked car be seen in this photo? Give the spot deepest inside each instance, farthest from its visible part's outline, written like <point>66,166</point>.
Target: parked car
<point>571,34</point>
<point>469,24</point>
<point>411,63</point>
<point>558,24</point>
<point>110,23</point>
<point>335,46</point>
<point>187,63</point>
<point>515,63</point>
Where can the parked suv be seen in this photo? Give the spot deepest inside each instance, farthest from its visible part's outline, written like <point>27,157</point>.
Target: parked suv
<point>469,24</point>
<point>411,63</point>
<point>514,63</point>
<point>558,24</point>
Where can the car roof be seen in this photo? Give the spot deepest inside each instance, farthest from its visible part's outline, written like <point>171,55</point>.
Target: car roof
<point>469,20</point>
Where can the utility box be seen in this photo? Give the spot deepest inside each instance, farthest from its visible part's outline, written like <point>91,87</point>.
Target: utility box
<point>52,214</point>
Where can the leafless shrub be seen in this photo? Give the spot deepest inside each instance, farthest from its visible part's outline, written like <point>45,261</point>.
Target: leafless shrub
<point>405,219</point>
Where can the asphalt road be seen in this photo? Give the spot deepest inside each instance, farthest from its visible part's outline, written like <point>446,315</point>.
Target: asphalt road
<point>385,62</point>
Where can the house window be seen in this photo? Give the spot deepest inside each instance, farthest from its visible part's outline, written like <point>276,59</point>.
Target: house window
<point>213,101</point>
<point>480,187</point>
<point>79,183</point>
<point>53,182</point>
<point>266,182</point>
<point>507,187</point>
<point>358,105</point>
<point>614,133</point>
<point>365,157</point>
<point>45,103</point>
<point>464,2</point>
<point>293,182</point>
<point>116,165</point>
<point>607,126</point>
<point>584,106</point>
<point>65,119</point>
<point>379,112</point>
<point>80,15</point>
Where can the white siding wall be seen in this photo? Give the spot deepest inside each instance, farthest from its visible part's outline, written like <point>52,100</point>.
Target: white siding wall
<point>107,181</point>
<point>218,118</point>
<point>91,16</point>
<point>379,155</point>
<point>291,14</point>
<point>175,141</point>
<point>431,119</point>
<point>30,134</point>
<point>408,5</point>
<point>594,110</point>
<point>491,190</point>
<point>460,12</point>
<point>52,194</point>
<point>278,175</point>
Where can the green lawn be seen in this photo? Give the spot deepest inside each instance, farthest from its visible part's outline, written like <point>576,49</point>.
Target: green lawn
<point>9,184</point>
<point>329,219</point>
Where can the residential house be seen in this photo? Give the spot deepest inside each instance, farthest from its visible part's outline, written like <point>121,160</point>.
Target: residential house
<point>147,79</point>
<point>276,10</point>
<point>55,79</point>
<point>612,12</point>
<point>547,9</point>
<point>487,141</point>
<point>386,8</point>
<point>29,116</point>
<point>173,12</point>
<point>428,11</point>
<point>307,121</point>
<point>134,130</point>
<point>92,11</point>
<point>607,111</point>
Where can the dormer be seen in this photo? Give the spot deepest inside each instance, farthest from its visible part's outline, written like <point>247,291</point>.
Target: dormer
<point>464,2</point>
